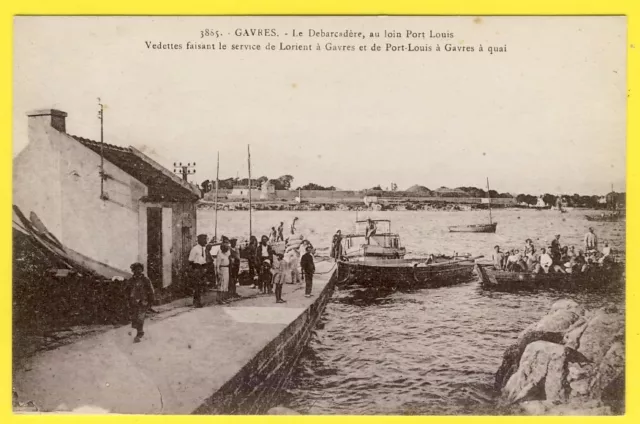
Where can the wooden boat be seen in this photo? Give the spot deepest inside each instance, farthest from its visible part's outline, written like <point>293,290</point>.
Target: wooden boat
<point>405,273</point>
<point>382,244</point>
<point>614,217</point>
<point>608,277</point>
<point>474,228</point>
<point>477,228</point>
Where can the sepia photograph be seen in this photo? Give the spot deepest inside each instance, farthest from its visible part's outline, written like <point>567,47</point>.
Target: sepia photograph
<point>319,215</point>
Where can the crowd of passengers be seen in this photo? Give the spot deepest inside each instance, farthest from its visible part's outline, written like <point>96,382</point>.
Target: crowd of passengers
<point>555,258</point>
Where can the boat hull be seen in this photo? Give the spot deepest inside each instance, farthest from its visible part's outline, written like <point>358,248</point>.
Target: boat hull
<point>610,278</point>
<point>477,228</point>
<point>606,218</point>
<point>404,273</point>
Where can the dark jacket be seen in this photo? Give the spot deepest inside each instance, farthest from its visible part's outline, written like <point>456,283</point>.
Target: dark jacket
<point>142,292</point>
<point>259,258</point>
<point>307,265</point>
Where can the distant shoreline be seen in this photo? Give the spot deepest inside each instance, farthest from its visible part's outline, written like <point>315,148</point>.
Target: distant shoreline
<point>308,206</point>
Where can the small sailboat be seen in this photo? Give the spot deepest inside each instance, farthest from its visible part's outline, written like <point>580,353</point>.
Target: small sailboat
<point>477,228</point>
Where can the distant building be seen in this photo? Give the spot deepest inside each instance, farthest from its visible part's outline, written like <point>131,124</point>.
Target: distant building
<point>268,191</point>
<point>147,213</point>
<point>242,193</point>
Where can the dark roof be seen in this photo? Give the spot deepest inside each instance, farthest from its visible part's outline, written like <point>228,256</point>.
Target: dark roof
<point>162,184</point>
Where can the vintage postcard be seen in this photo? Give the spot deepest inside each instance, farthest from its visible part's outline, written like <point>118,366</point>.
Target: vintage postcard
<point>319,215</point>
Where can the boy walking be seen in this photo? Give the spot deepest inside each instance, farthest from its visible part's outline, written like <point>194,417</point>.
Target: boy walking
<point>141,299</point>
<point>308,268</point>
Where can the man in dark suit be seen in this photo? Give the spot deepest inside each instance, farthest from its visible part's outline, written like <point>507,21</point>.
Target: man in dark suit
<point>308,269</point>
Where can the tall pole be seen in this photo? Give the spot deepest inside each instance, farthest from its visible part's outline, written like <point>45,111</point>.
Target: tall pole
<point>215,233</point>
<point>249,163</point>
<point>489,194</point>
<point>101,116</point>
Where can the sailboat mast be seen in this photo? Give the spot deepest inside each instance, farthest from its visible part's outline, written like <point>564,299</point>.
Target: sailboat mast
<point>215,234</point>
<point>489,195</point>
<point>249,163</point>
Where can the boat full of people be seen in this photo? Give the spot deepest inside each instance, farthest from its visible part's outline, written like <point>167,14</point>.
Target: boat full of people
<point>554,267</point>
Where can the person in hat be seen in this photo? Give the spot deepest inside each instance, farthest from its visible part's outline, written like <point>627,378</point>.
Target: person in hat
<point>336,245</point>
<point>252,259</point>
<point>281,276</point>
<point>308,269</point>
<point>590,241</point>
<point>141,298</point>
<point>198,263</point>
<point>222,270</point>
<point>234,266</point>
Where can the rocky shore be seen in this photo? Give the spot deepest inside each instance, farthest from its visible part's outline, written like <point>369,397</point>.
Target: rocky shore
<point>571,362</point>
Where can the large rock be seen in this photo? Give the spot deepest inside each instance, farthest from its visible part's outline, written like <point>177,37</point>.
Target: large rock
<point>556,321</point>
<point>610,370</point>
<point>600,333</point>
<point>542,373</point>
<point>512,355</point>
<point>572,335</point>
<point>567,305</point>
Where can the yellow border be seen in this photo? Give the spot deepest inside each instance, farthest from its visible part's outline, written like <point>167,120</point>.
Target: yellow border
<point>292,7</point>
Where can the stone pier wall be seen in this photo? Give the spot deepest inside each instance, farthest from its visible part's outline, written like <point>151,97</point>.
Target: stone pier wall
<point>257,387</point>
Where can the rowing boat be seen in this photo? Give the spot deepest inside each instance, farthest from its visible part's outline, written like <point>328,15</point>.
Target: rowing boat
<point>610,276</point>
<point>474,228</point>
<point>605,218</point>
<point>407,273</point>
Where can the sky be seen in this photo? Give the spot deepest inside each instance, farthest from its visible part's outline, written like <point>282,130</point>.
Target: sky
<point>546,116</point>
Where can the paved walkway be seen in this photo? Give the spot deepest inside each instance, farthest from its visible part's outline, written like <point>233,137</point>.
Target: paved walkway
<point>182,360</point>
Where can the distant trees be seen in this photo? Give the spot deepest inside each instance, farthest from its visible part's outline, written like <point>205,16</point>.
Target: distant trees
<point>527,198</point>
<point>283,182</point>
<point>476,192</point>
<point>313,186</point>
<point>376,188</point>
<point>549,199</point>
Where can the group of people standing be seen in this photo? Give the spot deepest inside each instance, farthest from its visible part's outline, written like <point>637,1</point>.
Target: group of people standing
<point>221,270</point>
<point>268,268</point>
<point>555,258</point>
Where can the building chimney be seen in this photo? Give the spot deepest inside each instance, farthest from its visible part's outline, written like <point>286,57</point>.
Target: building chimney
<point>56,118</point>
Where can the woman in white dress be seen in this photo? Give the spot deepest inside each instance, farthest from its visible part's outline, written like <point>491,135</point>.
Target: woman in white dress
<point>222,270</point>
